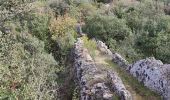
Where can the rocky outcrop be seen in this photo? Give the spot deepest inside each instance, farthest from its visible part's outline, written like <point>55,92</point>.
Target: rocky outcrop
<point>92,81</point>
<point>153,74</point>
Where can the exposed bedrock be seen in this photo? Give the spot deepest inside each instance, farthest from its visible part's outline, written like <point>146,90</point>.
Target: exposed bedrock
<point>154,74</point>
<point>94,82</point>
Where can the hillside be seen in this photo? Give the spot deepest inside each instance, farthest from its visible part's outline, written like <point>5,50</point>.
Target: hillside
<point>84,49</point>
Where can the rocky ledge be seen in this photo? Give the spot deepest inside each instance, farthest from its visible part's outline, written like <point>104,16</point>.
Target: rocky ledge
<point>95,84</point>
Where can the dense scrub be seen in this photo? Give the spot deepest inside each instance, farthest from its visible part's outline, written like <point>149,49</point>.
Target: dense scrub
<point>36,38</point>
<point>139,30</point>
<point>27,71</point>
<point>34,50</point>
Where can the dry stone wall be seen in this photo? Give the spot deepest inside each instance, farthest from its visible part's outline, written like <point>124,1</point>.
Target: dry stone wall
<point>118,86</point>
<point>94,82</point>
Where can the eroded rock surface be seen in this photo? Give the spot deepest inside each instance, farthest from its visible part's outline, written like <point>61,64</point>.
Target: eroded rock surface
<point>154,74</point>
<point>92,81</point>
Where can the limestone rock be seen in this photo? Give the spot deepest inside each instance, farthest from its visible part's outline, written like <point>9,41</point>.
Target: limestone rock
<point>153,74</point>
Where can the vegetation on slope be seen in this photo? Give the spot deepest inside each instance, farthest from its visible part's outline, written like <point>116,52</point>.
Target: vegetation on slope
<point>26,70</point>
<point>35,32</point>
<point>136,31</point>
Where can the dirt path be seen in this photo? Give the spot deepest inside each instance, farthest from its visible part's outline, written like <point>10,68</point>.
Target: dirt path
<point>138,91</point>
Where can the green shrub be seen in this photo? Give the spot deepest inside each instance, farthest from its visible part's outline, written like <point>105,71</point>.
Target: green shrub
<point>38,26</point>
<point>26,70</point>
<point>104,27</point>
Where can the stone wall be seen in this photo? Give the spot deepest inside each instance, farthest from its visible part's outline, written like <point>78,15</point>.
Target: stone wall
<point>90,80</point>
<point>118,59</point>
<point>94,82</point>
<point>118,86</point>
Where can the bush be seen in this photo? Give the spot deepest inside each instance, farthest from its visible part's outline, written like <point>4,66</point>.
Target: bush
<point>38,26</point>
<point>26,70</point>
<point>104,27</point>
<point>61,26</point>
<point>63,31</point>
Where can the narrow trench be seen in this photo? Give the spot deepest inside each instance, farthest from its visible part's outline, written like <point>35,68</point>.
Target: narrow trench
<point>67,86</point>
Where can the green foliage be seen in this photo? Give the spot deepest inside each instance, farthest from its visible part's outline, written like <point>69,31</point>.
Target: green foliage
<point>149,28</point>
<point>136,31</point>
<point>119,11</point>
<point>38,26</point>
<point>81,10</point>
<point>10,9</point>
<point>60,7</point>
<point>104,27</point>
<point>90,45</point>
<point>63,33</point>
<point>26,71</point>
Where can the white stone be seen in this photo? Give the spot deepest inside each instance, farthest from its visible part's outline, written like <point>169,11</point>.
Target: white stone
<point>152,73</point>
